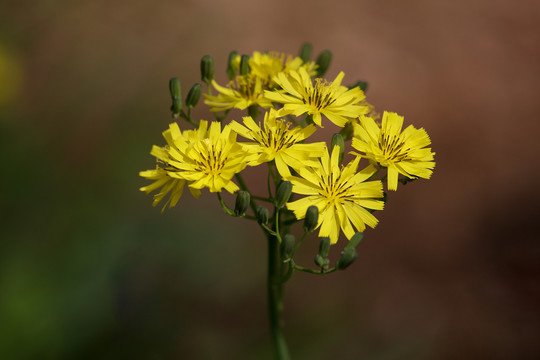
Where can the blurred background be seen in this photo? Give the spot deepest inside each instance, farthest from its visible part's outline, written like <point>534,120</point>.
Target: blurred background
<point>89,270</point>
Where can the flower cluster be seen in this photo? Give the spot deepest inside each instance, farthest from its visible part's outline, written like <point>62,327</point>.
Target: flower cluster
<point>287,99</point>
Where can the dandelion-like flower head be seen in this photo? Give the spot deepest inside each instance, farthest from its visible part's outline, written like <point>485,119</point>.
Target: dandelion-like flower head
<point>299,96</point>
<point>342,195</point>
<point>165,175</point>
<point>242,92</point>
<point>401,152</point>
<point>276,140</point>
<point>267,65</point>
<point>201,158</point>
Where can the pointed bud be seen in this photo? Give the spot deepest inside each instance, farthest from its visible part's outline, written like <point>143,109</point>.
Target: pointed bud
<point>253,111</point>
<point>323,62</point>
<point>176,95</point>
<point>312,218</point>
<point>244,65</point>
<point>347,131</point>
<point>322,262</point>
<point>286,247</point>
<point>346,259</point>
<point>193,95</point>
<point>324,247</point>
<point>283,194</point>
<point>232,65</point>
<point>242,203</point>
<point>361,84</point>
<point>354,241</point>
<point>262,215</point>
<point>207,69</point>
<point>337,139</point>
<point>305,52</point>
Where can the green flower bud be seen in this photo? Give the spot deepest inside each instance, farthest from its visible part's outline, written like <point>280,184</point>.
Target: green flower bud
<point>346,259</point>
<point>347,131</point>
<point>176,95</point>
<point>242,203</point>
<point>253,111</point>
<point>207,69</point>
<point>232,67</point>
<point>194,95</point>
<point>244,65</point>
<point>322,262</point>
<point>337,139</point>
<point>361,84</point>
<point>354,241</point>
<point>262,215</point>
<point>286,247</point>
<point>312,218</point>
<point>323,62</point>
<point>283,194</point>
<point>305,52</point>
<point>324,247</point>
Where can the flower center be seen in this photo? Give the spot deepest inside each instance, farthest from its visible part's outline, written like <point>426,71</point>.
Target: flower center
<point>320,96</point>
<point>334,190</point>
<point>247,87</point>
<point>213,159</point>
<point>270,64</point>
<point>276,137</point>
<point>393,148</point>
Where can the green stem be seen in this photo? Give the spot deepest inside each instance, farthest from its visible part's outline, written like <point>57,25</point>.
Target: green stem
<point>275,178</point>
<point>275,300</point>
<point>261,198</point>
<point>224,206</point>
<point>270,231</point>
<point>298,244</point>
<point>289,222</point>
<point>288,274</point>
<point>270,174</point>
<point>188,117</point>
<point>311,271</point>
<point>221,117</point>
<point>278,235</point>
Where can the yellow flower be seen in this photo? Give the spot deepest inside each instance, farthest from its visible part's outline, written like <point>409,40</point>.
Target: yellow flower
<point>299,96</point>
<point>244,91</point>
<point>162,174</point>
<point>267,65</point>
<point>166,183</point>
<point>341,194</point>
<point>211,161</point>
<point>247,90</point>
<point>401,152</point>
<point>201,158</point>
<point>275,141</point>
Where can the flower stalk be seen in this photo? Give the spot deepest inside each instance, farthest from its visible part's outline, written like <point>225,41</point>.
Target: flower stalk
<point>275,300</point>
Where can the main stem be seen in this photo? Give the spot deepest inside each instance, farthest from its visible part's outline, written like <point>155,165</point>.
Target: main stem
<point>275,300</point>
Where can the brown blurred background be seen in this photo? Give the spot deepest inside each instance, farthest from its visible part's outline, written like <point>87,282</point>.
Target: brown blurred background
<point>89,270</point>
